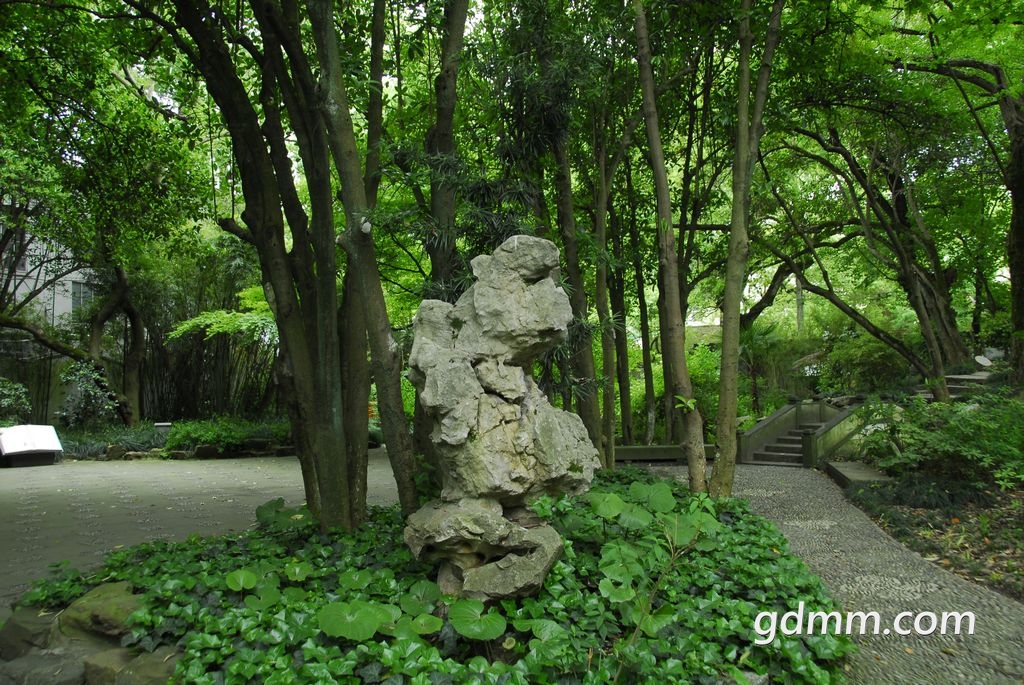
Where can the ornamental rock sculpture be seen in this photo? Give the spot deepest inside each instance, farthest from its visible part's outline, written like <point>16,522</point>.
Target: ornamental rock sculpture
<point>499,441</point>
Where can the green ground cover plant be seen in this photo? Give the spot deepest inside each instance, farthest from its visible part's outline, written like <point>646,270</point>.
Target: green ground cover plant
<point>957,494</point>
<point>983,543</point>
<point>971,445</point>
<point>656,585</point>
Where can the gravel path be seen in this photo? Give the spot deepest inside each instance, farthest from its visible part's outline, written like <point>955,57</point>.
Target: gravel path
<point>77,511</point>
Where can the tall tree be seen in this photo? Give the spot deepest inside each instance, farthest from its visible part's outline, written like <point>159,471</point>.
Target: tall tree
<point>751,100</point>
<point>975,46</point>
<point>672,324</point>
<point>109,168</point>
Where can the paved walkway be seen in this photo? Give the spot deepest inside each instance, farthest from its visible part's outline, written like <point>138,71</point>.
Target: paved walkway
<point>77,511</point>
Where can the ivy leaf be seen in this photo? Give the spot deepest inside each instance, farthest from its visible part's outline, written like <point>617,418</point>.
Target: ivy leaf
<point>469,620</point>
<point>616,593</point>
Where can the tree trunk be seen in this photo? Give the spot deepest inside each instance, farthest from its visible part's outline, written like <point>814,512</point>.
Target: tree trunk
<point>603,316</point>
<point>355,369</point>
<point>582,359</point>
<point>440,147</point>
<point>748,134</point>
<point>300,282</point>
<point>617,300</point>
<point>385,353</point>
<point>650,399</point>
<point>1013,115</point>
<point>133,358</point>
<point>375,105</point>
<point>673,333</point>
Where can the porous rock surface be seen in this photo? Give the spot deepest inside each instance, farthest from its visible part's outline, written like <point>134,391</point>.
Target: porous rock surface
<point>499,441</point>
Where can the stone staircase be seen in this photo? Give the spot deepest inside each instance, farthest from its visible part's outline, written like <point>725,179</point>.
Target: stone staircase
<point>786,450</point>
<point>959,384</point>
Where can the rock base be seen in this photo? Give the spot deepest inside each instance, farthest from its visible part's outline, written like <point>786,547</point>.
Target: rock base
<point>81,645</point>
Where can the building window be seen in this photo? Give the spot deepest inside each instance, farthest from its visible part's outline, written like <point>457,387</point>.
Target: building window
<point>16,263</point>
<point>81,295</point>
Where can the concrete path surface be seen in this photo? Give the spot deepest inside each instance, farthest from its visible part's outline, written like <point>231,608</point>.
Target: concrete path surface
<point>77,511</point>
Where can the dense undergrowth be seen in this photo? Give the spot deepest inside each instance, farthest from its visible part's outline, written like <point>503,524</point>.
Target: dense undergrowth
<point>656,585</point>
<point>957,494</point>
<point>227,434</point>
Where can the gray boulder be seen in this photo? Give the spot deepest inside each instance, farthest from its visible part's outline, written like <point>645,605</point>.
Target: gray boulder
<point>498,440</point>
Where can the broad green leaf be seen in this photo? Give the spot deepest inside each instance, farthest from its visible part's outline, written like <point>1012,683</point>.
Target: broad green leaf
<point>547,629</point>
<point>616,593</point>
<point>294,594</point>
<point>469,620</point>
<point>353,579</point>
<point>298,571</point>
<point>635,517</point>
<point>653,623</point>
<point>425,624</point>
<point>607,505</point>
<point>620,561</point>
<point>268,597</point>
<point>420,598</point>
<point>356,621</point>
<point>660,498</point>
<point>242,579</point>
<point>681,529</point>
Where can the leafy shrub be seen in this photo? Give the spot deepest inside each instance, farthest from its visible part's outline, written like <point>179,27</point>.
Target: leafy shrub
<point>858,362</point>
<point>655,586</point>
<point>15,406</point>
<point>225,433</point>
<point>979,443</point>
<point>87,405</point>
<point>922,491</point>
<point>93,444</point>
<point>704,363</point>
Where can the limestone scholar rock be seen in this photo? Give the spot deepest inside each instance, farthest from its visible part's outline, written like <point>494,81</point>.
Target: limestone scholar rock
<point>500,443</point>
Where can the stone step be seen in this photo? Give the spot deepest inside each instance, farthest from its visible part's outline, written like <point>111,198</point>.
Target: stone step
<point>847,473</point>
<point>763,457</point>
<point>790,440</point>
<point>776,448</point>
<point>976,378</point>
<point>757,461</point>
